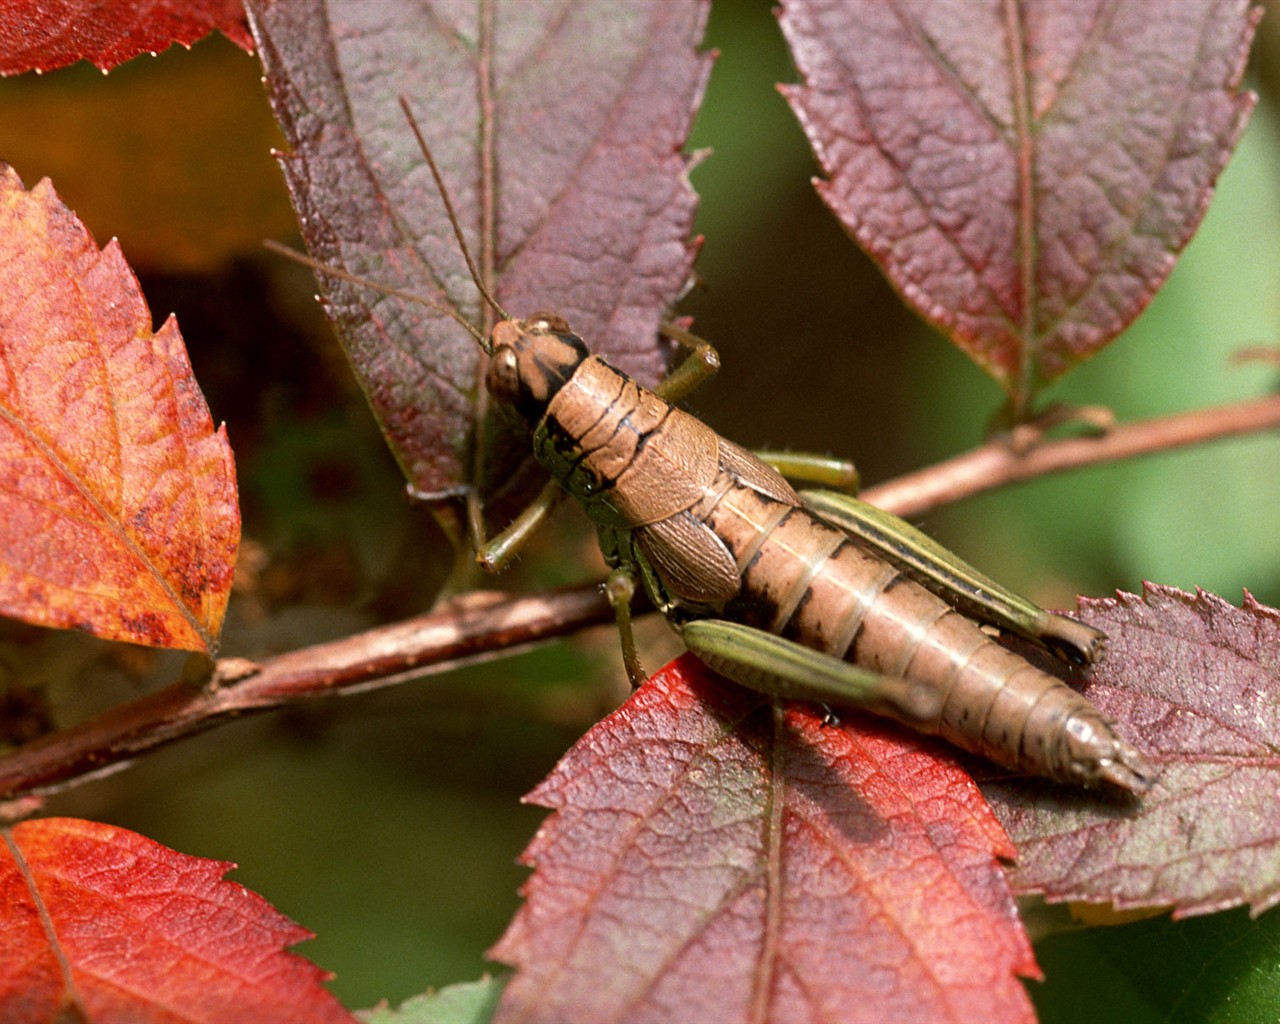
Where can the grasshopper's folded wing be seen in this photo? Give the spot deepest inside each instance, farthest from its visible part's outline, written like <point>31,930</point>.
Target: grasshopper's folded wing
<point>956,582</point>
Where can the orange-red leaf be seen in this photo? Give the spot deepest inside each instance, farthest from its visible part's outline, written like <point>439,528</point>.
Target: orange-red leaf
<point>713,858</point>
<point>126,930</point>
<point>118,510</point>
<point>40,35</point>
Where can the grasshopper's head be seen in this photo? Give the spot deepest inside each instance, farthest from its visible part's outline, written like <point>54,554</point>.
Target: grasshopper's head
<point>531,361</point>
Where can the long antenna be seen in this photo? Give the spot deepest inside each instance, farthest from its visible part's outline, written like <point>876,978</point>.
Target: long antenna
<point>448,205</point>
<point>342,275</point>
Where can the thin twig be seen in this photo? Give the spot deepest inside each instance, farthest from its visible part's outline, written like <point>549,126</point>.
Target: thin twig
<point>996,464</point>
<point>464,631</point>
<point>483,626</point>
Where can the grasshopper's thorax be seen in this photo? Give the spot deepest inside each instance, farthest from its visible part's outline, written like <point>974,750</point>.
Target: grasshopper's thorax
<point>617,447</point>
<point>544,371</point>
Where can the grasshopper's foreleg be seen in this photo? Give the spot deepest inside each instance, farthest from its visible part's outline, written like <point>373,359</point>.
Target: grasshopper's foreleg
<point>955,581</point>
<point>783,668</point>
<point>496,553</point>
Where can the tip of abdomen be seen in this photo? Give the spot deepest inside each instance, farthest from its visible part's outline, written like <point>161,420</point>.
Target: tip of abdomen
<point>1125,769</point>
<point>1097,756</point>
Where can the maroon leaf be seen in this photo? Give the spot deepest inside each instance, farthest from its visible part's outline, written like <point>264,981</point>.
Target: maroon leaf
<point>558,130</point>
<point>715,858</point>
<point>40,35</point>
<point>1024,173</point>
<point>1195,682</point>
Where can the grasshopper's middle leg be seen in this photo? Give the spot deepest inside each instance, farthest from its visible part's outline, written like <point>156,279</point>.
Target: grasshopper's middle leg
<point>826,470</point>
<point>620,588</point>
<point>702,363</point>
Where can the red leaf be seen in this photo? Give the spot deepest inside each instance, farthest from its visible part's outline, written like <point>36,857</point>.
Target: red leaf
<point>117,498</point>
<point>40,35</point>
<point>125,930</point>
<point>558,130</point>
<point>1024,173</point>
<point>712,858</point>
<point>1195,683</point>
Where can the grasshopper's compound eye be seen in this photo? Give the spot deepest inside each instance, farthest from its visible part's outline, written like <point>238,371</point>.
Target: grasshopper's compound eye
<point>548,323</point>
<point>503,376</point>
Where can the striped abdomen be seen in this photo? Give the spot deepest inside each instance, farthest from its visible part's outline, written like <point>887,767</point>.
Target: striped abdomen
<point>807,581</point>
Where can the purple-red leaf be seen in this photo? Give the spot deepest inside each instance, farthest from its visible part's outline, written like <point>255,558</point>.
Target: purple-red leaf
<point>712,857</point>
<point>40,35</point>
<point>1195,683</point>
<point>558,131</point>
<point>102,925</point>
<point>118,511</point>
<point>1024,173</point>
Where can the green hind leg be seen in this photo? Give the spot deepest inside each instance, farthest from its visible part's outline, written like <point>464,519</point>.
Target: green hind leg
<point>783,668</point>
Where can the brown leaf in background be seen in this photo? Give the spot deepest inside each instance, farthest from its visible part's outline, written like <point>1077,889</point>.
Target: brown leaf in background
<point>714,858</point>
<point>40,35</point>
<point>1195,683</point>
<point>170,155</point>
<point>118,509</point>
<point>1024,173</point>
<point>100,924</point>
<point>558,130</point>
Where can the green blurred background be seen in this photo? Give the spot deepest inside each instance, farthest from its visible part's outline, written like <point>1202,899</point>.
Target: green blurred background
<point>390,822</point>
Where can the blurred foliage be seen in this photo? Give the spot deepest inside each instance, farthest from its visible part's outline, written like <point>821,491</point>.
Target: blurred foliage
<point>463,1003</point>
<point>1220,969</point>
<point>390,822</point>
<point>170,154</point>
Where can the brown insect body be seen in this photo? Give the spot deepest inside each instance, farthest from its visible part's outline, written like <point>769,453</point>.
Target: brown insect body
<point>714,532</point>
<point>781,597</point>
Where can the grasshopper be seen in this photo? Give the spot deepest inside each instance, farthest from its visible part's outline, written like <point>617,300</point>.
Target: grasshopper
<point>813,595</point>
